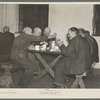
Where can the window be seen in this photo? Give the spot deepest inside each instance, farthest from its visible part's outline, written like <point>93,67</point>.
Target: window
<point>96,21</point>
<point>33,15</point>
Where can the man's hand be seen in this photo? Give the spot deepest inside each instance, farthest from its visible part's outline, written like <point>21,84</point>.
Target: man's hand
<point>59,42</point>
<point>53,35</point>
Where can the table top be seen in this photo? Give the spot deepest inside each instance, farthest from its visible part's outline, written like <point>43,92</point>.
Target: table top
<point>46,52</point>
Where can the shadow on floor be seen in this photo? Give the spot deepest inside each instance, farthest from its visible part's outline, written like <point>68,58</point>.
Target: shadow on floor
<point>92,81</point>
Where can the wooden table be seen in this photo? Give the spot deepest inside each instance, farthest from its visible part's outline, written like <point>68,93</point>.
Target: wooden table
<point>47,67</point>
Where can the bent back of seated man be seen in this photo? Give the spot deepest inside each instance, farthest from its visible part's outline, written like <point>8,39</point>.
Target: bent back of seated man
<point>76,57</point>
<point>20,55</point>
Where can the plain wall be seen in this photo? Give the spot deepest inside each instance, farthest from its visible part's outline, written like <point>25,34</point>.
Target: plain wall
<point>64,16</point>
<point>9,15</point>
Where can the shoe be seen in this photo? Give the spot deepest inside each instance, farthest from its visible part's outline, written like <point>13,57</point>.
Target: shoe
<point>58,85</point>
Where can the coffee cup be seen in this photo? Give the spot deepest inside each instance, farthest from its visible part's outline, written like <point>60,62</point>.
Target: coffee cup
<point>37,47</point>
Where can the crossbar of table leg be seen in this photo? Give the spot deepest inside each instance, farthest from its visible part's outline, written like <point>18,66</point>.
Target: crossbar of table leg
<point>81,84</point>
<point>42,73</point>
<point>76,82</point>
<point>44,63</point>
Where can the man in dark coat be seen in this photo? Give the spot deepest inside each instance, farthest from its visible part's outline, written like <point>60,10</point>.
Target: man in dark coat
<point>95,53</point>
<point>76,57</point>
<point>20,55</point>
<point>6,41</point>
<point>1,43</point>
<point>93,44</point>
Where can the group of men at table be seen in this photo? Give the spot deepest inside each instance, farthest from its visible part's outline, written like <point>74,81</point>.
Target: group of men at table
<point>80,55</point>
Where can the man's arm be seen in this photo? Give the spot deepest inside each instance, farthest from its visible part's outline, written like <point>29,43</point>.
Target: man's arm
<point>68,51</point>
<point>37,38</point>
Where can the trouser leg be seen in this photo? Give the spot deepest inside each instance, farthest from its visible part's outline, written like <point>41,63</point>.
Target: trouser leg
<point>33,58</point>
<point>59,76</point>
<point>61,70</point>
<point>30,67</point>
<point>27,76</point>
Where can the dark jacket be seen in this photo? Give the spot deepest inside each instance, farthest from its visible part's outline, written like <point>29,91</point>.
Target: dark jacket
<point>94,46</point>
<point>18,48</point>
<point>77,55</point>
<point>1,42</point>
<point>6,41</point>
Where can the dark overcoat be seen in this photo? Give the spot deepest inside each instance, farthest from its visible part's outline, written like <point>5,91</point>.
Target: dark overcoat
<point>20,56</point>
<point>77,56</point>
<point>6,41</point>
<point>94,46</point>
<point>18,52</point>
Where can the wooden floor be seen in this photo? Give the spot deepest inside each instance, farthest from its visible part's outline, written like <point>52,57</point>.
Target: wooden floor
<point>92,81</point>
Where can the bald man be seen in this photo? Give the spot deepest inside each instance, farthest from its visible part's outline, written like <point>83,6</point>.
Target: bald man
<point>37,31</point>
<point>47,32</point>
<point>20,55</point>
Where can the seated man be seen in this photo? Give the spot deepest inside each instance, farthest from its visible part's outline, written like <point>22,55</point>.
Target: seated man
<point>94,46</point>
<point>76,57</point>
<point>95,54</point>
<point>20,55</point>
<point>6,40</point>
<point>37,31</point>
<point>47,32</point>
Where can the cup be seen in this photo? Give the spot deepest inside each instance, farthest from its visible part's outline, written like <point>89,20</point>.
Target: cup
<point>37,47</point>
<point>52,45</point>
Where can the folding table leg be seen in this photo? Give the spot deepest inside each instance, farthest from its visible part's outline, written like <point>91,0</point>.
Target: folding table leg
<point>81,84</point>
<point>43,72</point>
<point>76,82</point>
<point>44,63</point>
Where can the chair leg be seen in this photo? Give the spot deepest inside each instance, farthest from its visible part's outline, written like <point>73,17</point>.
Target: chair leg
<point>76,82</point>
<point>81,84</point>
<point>12,84</point>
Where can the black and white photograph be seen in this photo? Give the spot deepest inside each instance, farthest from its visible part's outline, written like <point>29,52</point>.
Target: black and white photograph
<point>49,45</point>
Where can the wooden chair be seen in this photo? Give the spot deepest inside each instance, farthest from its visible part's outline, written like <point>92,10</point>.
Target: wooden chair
<point>6,79</point>
<point>79,78</point>
<point>79,81</point>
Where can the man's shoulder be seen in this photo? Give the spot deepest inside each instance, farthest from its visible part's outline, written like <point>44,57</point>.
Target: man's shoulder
<point>18,39</point>
<point>81,38</point>
<point>8,33</point>
<point>78,38</point>
<point>11,33</point>
<point>91,39</point>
